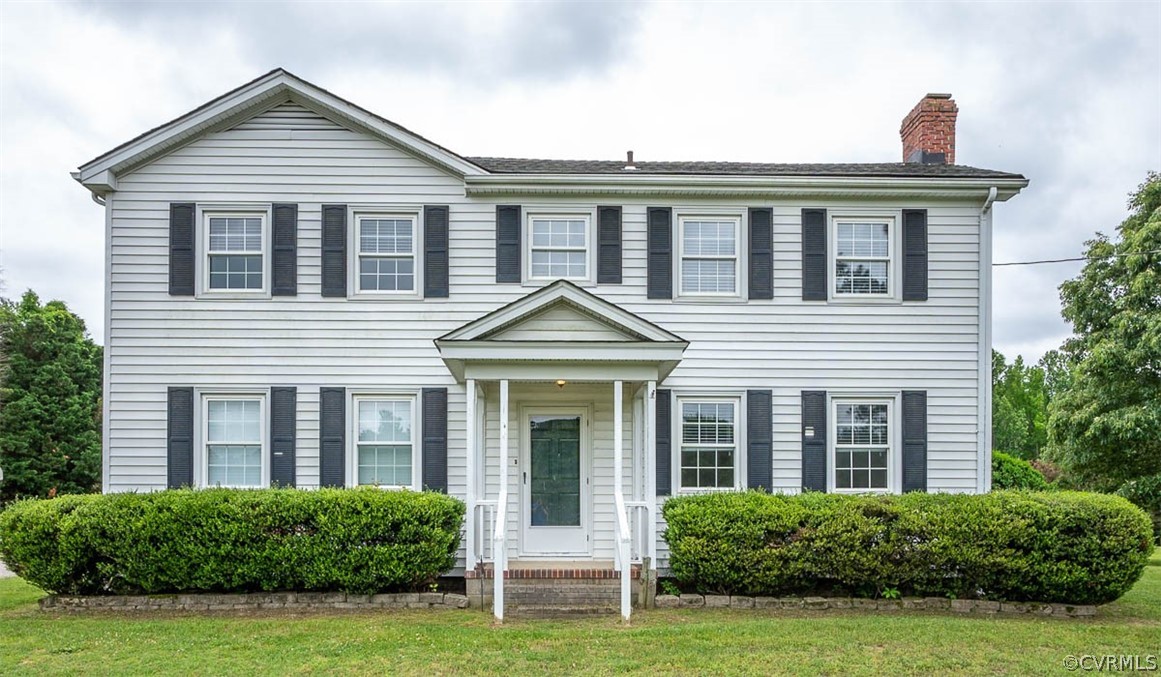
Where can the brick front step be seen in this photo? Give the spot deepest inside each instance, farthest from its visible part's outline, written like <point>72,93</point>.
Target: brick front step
<point>560,610</point>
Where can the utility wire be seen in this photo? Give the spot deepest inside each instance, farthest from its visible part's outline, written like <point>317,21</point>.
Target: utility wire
<point>1078,258</point>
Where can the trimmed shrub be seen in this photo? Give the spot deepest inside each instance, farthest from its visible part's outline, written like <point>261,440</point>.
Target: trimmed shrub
<point>1145,493</point>
<point>1064,547</point>
<point>227,540</point>
<point>1009,472</point>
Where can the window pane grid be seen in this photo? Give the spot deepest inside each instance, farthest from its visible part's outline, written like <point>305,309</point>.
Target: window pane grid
<point>235,234</point>
<point>708,451</point>
<point>386,236</point>
<point>384,442</point>
<point>862,446</point>
<point>234,252</point>
<point>709,256</point>
<point>559,248</point>
<point>862,258</point>
<point>234,442</point>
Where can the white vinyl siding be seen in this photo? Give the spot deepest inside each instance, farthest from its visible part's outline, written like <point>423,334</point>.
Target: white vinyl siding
<point>558,247</point>
<point>235,252</point>
<point>384,441</point>
<point>385,253</point>
<point>155,340</point>
<point>707,455</point>
<point>709,259</point>
<point>234,441</point>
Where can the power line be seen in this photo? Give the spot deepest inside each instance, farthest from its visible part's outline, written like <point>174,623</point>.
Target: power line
<point>1078,258</point>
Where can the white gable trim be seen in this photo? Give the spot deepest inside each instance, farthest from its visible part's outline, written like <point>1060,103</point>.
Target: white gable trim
<point>561,291</point>
<point>270,90</point>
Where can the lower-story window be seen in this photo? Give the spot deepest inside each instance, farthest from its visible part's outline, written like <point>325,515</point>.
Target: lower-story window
<point>385,441</point>
<point>233,440</point>
<point>708,451</point>
<point>862,445</point>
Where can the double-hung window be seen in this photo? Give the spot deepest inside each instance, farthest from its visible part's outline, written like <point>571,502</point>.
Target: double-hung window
<point>235,251</point>
<point>385,441</point>
<point>709,443</point>
<point>862,257</point>
<point>233,440</point>
<point>386,253</point>
<point>559,247</point>
<point>709,256</point>
<point>862,445</point>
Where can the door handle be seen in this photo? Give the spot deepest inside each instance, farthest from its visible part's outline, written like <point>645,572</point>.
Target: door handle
<point>525,474</point>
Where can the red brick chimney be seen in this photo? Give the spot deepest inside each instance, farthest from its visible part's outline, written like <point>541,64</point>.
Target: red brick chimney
<point>928,131</point>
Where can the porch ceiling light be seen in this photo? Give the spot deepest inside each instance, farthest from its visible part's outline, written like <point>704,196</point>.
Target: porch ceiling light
<point>560,383</point>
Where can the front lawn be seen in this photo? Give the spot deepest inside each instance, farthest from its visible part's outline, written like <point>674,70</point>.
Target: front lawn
<point>670,641</point>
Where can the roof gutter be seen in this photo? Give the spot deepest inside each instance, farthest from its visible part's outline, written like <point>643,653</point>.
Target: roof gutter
<point>984,354</point>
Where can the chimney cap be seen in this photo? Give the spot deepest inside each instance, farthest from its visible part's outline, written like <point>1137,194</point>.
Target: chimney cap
<point>938,95</point>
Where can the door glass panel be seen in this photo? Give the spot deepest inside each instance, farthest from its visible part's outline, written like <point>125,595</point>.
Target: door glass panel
<point>555,472</point>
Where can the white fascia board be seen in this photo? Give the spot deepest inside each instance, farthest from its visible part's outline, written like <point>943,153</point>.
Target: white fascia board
<point>563,351</point>
<point>277,85</point>
<point>738,186</point>
<point>556,371</point>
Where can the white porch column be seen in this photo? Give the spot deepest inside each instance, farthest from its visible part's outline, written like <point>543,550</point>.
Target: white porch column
<point>618,436</point>
<point>500,556</point>
<point>470,471</point>
<point>651,467</point>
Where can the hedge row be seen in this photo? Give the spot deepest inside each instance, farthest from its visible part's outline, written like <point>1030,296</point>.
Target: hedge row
<point>225,540</point>
<point>1063,547</point>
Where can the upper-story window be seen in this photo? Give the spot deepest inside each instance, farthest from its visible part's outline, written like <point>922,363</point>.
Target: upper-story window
<point>235,252</point>
<point>863,263</point>
<point>709,255</point>
<point>559,247</point>
<point>386,253</point>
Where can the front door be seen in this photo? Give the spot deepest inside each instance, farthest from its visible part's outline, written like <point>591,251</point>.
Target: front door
<point>555,482</point>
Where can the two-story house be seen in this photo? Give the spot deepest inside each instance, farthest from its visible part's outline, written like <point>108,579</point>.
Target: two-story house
<point>302,293</point>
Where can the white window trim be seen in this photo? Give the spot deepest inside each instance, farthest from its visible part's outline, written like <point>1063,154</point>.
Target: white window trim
<point>741,247</point>
<point>539,214</point>
<point>893,217</point>
<point>352,450</point>
<point>893,400</point>
<point>739,402</point>
<point>202,269</point>
<point>353,255</point>
<point>201,454</point>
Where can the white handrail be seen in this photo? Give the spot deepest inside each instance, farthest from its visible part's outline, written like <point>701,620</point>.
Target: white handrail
<point>622,553</point>
<point>500,554</point>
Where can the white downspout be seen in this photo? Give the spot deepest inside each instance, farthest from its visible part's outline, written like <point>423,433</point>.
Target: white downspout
<point>984,418</point>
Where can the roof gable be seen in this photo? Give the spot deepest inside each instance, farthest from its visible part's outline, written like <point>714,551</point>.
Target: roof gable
<point>268,92</point>
<point>561,311</point>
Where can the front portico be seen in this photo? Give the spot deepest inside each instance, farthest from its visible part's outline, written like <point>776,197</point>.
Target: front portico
<point>561,393</point>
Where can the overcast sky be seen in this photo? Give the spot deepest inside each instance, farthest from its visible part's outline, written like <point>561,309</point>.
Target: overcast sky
<point>1069,94</point>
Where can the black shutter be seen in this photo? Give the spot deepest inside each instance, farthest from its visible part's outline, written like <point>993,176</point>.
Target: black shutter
<point>283,431</point>
<point>435,439</point>
<point>814,432</point>
<point>663,440</point>
<point>608,245</point>
<point>914,440</point>
<point>334,250</point>
<point>914,254</point>
<point>179,438</point>
<point>660,253</point>
<point>435,252</point>
<point>284,255</point>
<point>181,248</point>
<point>508,243</point>
<point>761,253</point>
<point>813,254</point>
<point>759,439</point>
<point>332,434</point>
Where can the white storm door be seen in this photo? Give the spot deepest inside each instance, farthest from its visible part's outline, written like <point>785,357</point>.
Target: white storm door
<point>555,483</point>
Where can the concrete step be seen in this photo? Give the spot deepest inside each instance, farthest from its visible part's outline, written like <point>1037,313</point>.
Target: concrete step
<point>562,610</point>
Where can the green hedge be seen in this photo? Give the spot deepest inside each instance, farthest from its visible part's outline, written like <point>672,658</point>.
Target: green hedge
<point>1009,545</point>
<point>1009,472</point>
<point>226,540</point>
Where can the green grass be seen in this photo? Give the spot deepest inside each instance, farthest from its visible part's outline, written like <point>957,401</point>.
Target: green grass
<point>670,641</point>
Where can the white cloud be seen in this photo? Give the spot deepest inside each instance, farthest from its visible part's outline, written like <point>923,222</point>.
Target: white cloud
<point>1066,94</point>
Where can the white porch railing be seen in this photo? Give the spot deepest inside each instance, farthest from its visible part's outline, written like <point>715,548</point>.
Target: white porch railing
<point>482,525</point>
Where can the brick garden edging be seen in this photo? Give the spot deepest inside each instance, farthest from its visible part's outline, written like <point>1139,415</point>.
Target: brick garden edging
<point>295,601</point>
<point>964,606</point>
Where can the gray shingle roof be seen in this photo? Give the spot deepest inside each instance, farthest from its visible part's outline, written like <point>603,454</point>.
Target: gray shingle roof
<point>501,165</point>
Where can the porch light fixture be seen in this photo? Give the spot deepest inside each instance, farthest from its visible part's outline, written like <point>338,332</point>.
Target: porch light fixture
<point>560,383</point>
